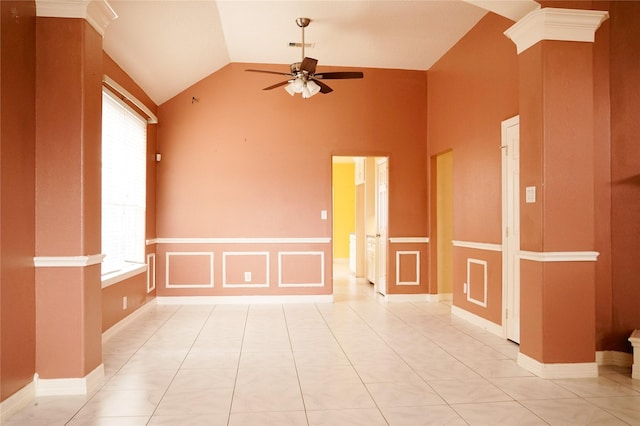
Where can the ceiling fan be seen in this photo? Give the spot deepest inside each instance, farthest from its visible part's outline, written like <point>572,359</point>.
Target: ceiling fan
<point>303,77</point>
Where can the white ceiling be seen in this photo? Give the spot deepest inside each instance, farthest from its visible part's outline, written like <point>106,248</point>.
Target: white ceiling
<point>168,45</point>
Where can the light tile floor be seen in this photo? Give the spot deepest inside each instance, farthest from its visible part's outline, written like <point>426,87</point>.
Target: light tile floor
<point>358,361</point>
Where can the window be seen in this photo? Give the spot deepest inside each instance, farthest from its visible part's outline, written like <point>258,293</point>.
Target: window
<point>124,176</point>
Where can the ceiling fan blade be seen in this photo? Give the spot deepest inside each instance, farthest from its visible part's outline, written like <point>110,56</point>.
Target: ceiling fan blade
<point>339,75</point>
<point>282,83</point>
<point>271,72</point>
<point>323,87</point>
<point>309,65</point>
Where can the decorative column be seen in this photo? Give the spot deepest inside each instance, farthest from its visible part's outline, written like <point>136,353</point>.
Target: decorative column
<point>68,194</point>
<point>557,269</point>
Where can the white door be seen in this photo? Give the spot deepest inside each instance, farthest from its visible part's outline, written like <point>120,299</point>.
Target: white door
<point>382,221</point>
<point>511,226</point>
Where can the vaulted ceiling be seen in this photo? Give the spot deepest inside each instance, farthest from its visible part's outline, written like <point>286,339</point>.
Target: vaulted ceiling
<point>168,45</point>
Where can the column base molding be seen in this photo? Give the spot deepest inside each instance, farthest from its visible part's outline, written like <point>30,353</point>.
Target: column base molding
<point>614,358</point>
<point>71,386</point>
<point>558,370</point>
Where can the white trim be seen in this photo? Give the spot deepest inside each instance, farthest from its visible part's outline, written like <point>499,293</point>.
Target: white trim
<point>398,254</point>
<point>559,256</point>
<point>67,261</point>
<point>242,300</point>
<point>485,284</point>
<point>188,253</point>
<point>98,13</point>
<point>615,358</point>
<point>409,240</point>
<point>556,24</point>
<point>19,400</point>
<point>634,339</point>
<point>303,253</point>
<point>151,272</point>
<point>126,321</point>
<point>510,294</point>
<point>122,274</point>
<point>478,321</point>
<point>151,117</point>
<point>151,241</point>
<point>477,246</point>
<point>244,285</point>
<point>71,386</point>
<point>558,370</point>
<point>311,240</point>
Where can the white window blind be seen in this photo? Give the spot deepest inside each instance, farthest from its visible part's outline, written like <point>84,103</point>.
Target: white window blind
<point>124,178</point>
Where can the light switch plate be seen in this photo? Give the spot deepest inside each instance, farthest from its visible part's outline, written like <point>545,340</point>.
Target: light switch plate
<point>530,194</point>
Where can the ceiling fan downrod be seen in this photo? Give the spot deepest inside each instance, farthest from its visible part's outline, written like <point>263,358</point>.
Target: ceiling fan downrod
<point>303,23</point>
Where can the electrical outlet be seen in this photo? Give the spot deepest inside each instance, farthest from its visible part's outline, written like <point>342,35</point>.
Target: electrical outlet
<point>464,288</point>
<point>247,277</point>
<point>124,303</point>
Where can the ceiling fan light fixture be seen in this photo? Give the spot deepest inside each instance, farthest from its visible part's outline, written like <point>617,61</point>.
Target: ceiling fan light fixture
<point>295,86</point>
<point>310,89</point>
<point>290,88</point>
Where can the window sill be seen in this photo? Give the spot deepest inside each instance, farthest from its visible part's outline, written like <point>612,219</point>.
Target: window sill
<point>128,271</point>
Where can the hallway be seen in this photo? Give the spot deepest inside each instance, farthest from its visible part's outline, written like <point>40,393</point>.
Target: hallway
<point>358,361</point>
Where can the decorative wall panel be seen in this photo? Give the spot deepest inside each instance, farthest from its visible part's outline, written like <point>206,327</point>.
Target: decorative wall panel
<point>189,269</point>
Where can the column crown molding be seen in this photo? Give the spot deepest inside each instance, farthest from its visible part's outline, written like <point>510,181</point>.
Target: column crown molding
<point>97,12</point>
<point>556,24</point>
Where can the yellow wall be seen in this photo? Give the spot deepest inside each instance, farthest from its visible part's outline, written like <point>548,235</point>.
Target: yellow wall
<point>445,221</point>
<point>344,207</point>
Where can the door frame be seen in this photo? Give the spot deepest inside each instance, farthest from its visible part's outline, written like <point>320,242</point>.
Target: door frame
<point>510,259</point>
<point>367,157</point>
<point>382,240</point>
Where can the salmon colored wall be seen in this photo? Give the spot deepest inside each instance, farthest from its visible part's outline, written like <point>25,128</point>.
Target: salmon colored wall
<point>557,157</point>
<point>472,89</point>
<point>68,201</point>
<point>344,204</point>
<point>625,169</point>
<point>17,195</point>
<point>240,162</point>
<point>602,213</point>
<point>135,288</point>
<point>493,310</point>
<point>189,269</point>
<point>563,176</point>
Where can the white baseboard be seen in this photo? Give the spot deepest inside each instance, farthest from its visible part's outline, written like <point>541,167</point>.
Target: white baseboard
<point>476,320</point>
<point>18,400</point>
<point>242,300</point>
<point>558,370</point>
<point>114,329</point>
<point>615,358</point>
<point>70,386</point>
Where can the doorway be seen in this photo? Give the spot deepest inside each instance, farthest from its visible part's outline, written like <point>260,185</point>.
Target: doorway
<point>444,225</point>
<point>360,215</point>
<point>511,227</point>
